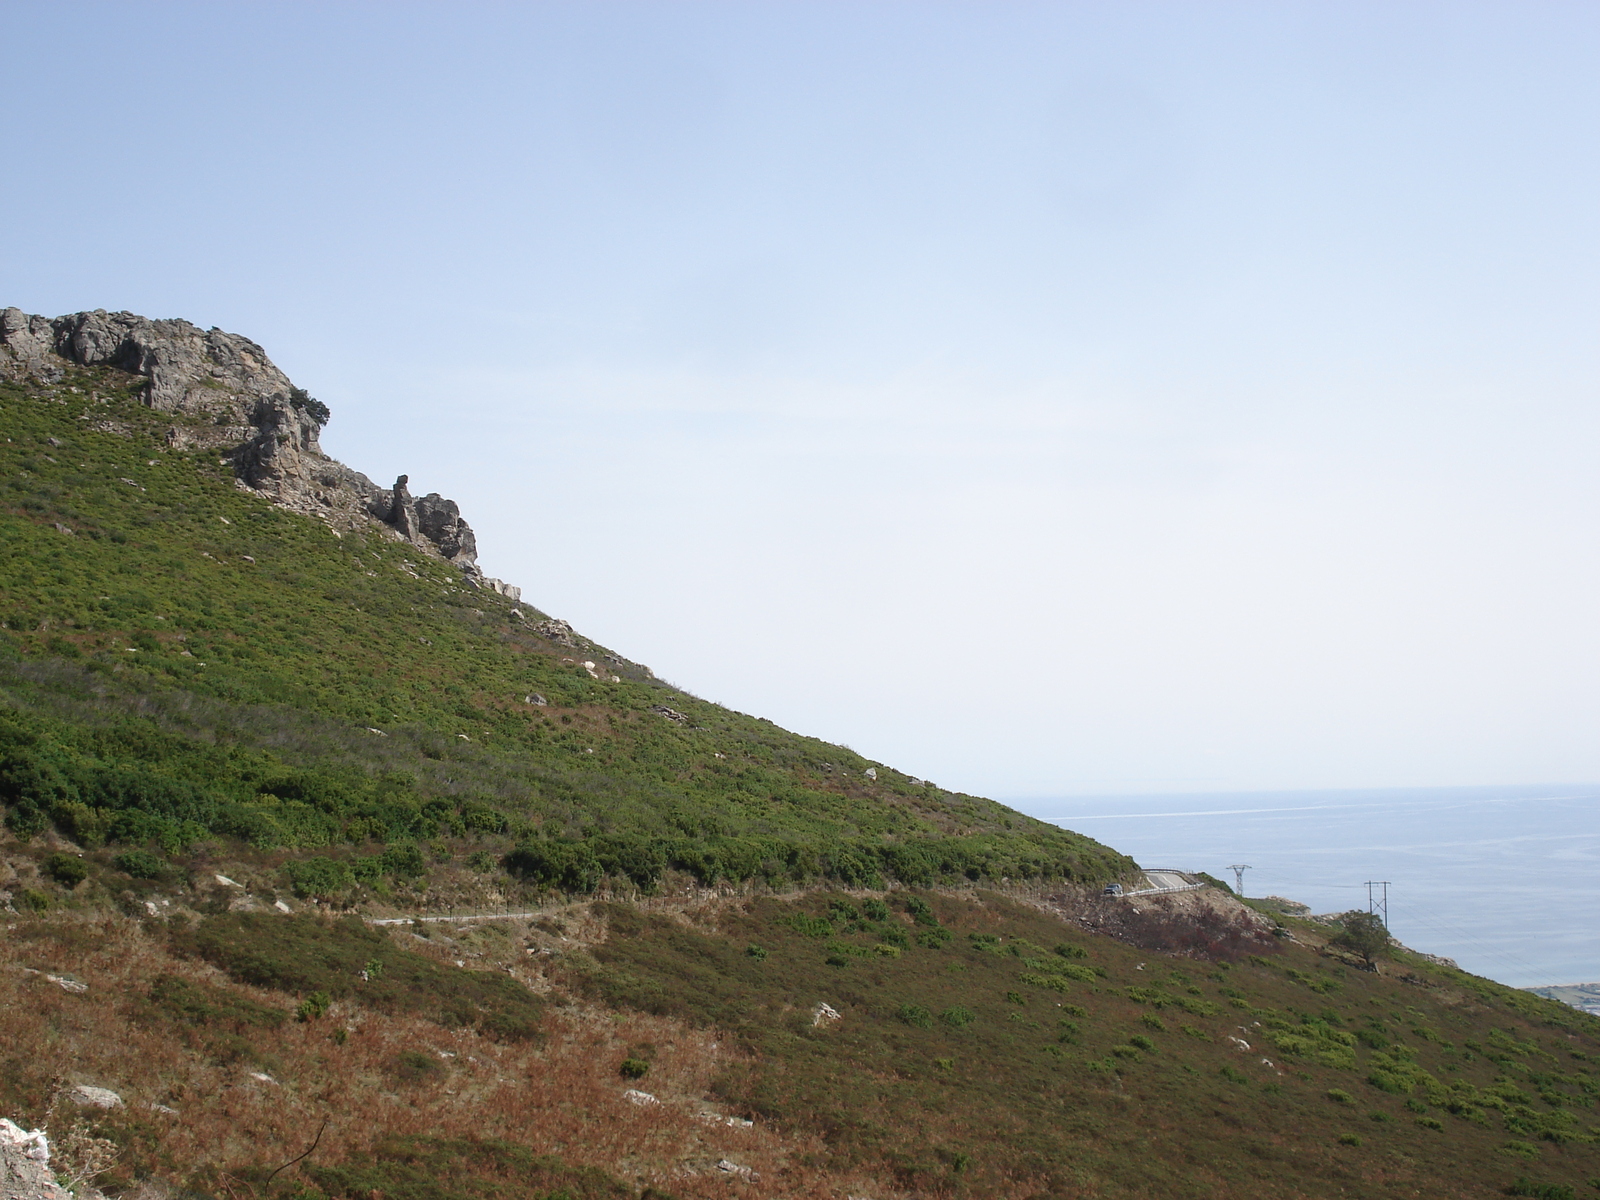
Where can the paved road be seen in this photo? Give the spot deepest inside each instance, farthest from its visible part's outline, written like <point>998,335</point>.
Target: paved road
<point>1166,879</point>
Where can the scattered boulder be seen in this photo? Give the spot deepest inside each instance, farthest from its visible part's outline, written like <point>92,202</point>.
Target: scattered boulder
<point>635,1096</point>
<point>670,714</point>
<point>559,632</point>
<point>731,1168</point>
<point>824,1014</point>
<point>87,1096</point>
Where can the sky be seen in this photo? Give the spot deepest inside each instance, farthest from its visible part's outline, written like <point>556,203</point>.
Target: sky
<point>1046,399</point>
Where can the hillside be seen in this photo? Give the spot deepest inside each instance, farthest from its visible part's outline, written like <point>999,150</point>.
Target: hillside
<point>253,701</point>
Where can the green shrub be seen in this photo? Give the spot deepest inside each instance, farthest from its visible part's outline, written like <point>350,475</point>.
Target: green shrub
<point>197,1003</point>
<point>1151,1021</point>
<point>921,911</point>
<point>1143,1043</point>
<point>1129,1052</point>
<point>958,1016</point>
<point>319,877</point>
<point>1070,1031</point>
<point>66,869</point>
<point>759,953</point>
<point>1066,951</point>
<point>837,960</point>
<point>875,909</point>
<point>1432,1123</point>
<point>1191,1031</point>
<point>915,1014</point>
<point>31,900</point>
<point>808,926</point>
<point>313,1006</point>
<point>842,910</point>
<point>933,939</point>
<point>140,864</point>
<point>1234,1076</point>
<point>633,1068</point>
<point>304,954</point>
<point>1520,1149</point>
<point>1523,1186</point>
<point>1016,998</point>
<point>1339,1096</point>
<point>1349,1139</point>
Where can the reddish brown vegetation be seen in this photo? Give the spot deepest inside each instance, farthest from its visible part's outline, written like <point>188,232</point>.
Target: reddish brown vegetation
<point>393,1076</point>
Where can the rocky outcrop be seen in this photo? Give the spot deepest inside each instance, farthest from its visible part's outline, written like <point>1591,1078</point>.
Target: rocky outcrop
<point>249,412</point>
<point>25,1167</point>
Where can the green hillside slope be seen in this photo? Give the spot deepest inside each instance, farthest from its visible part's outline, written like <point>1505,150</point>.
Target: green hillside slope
<point>238,726</point>
<point>188,660</point>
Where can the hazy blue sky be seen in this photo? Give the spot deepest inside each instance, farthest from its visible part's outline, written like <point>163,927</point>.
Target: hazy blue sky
<point>1043,398</point>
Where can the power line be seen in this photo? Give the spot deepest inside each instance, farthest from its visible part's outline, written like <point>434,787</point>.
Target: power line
<point>1238,870</point>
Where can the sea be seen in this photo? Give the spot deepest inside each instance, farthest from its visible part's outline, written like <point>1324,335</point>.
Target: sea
<point>1505,880</point>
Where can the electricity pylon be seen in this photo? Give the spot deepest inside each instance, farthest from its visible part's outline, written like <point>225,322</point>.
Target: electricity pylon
<point>1381,906</point>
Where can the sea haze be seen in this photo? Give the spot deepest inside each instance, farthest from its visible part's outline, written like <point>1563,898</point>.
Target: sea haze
<point>1504,880</point>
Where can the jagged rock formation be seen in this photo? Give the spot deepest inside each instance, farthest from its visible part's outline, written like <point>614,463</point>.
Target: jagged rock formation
<point>254,417</point>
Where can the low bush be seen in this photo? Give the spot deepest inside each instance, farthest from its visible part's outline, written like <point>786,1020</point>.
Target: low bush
<point>958,1016</point>
<point>305,954</point>
<point>66,869</point>
<point>915,1014</point>
<point>1523,1186</point>
<point>141,864</point>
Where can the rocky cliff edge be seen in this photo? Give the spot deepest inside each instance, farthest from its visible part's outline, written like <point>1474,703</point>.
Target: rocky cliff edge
<point>249,413</point>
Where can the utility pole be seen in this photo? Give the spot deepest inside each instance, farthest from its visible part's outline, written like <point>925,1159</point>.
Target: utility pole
<point>1238,870</point>
<point>1380,906</point>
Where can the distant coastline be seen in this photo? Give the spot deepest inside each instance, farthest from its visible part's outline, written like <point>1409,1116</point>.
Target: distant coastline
<point>1585,996</point>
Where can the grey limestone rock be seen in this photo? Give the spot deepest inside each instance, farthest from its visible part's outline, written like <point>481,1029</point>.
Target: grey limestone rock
<point>252,414</point>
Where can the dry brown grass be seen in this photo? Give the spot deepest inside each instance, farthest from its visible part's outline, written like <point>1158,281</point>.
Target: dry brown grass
<point>561,1096</point>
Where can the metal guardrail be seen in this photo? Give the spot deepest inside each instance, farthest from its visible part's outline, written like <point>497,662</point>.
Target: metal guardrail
<point>1159,891</point>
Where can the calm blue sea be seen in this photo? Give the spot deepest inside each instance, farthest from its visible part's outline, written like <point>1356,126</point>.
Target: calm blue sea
<point>1504,880</point>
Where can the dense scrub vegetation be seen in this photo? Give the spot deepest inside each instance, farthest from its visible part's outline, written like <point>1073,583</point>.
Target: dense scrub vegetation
<point>182,661</point>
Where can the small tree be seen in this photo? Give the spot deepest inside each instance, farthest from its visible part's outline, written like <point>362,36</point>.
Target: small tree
<point>1363,934</point>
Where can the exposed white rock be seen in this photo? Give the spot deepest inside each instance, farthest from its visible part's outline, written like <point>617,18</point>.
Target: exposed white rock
<point>635,1096</point>
<point>824,1014</point>
<point>32,1144</point>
